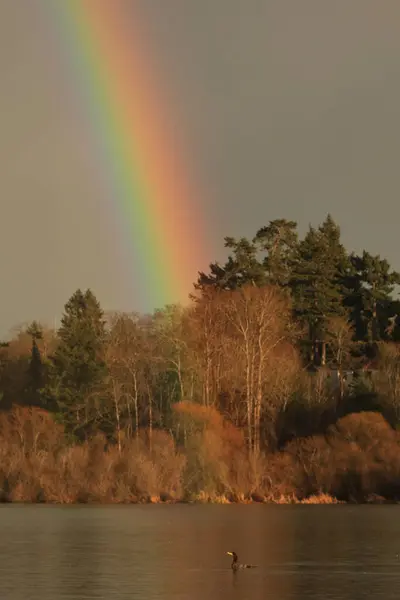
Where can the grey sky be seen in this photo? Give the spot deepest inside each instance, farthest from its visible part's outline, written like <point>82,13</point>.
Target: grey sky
<point>288,108</point>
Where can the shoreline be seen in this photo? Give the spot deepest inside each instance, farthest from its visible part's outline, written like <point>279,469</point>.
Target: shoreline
<point>321,499</point>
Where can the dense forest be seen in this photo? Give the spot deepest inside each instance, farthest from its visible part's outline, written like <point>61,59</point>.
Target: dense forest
<point>279,381</point>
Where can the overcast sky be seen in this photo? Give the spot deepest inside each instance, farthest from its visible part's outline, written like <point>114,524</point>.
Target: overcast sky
<point>288,109</point>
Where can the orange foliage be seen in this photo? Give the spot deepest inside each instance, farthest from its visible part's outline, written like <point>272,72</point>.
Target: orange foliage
<point>209,417</point>
<point>37,465</point>
<point>357,459</point>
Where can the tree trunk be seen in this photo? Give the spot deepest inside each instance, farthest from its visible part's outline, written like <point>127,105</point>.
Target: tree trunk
<point>248,398</point>
<point>150,399</point>
<point>323,353</point>
<point>257,412</point>
<point>117,415</point>
<point>135,399</point>
<point>128,408</point>
<point>375,335</point>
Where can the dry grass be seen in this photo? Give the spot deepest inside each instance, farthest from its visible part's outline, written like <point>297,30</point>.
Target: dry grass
<point>293,499</point>
<point>321,499</point>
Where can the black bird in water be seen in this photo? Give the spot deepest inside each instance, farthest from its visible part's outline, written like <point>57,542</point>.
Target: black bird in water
<point>235,566</point>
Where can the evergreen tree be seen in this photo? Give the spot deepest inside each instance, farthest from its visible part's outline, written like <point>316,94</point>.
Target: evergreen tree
<point>77,365</point>
<point>279,240</point>
<point>317,283</point>
<point>392,331</point>
<point>370,286</point>
<point>35,374</point>
<point>241,268</point>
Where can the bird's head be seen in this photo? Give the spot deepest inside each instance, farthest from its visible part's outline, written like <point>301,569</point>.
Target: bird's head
<point>233,554</point>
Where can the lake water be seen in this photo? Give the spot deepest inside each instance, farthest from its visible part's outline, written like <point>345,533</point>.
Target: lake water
<point>151,552</point>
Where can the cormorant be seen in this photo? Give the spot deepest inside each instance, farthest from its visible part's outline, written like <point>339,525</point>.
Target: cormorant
<point>235,566</point>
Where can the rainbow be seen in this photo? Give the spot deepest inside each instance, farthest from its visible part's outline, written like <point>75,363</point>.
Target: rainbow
<point>141,163</point>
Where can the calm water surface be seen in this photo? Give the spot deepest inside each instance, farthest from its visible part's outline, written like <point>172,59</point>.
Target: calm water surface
<point>151,552</point>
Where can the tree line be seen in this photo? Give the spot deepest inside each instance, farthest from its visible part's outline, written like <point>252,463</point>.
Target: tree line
<point>288,339</point>
<point>324,281</point>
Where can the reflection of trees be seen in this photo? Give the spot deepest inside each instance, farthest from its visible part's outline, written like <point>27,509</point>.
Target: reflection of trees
<point>75,552</point>
<point>106,550</point>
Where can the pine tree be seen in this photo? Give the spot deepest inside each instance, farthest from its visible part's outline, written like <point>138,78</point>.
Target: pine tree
<point>317,285</point>
<point>241,268</point>
<point>77,365</point>
<point>370,286</point>
<point>279,240</point>
<point>35,375</point>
